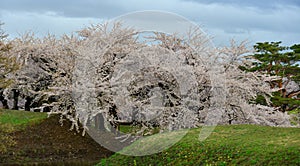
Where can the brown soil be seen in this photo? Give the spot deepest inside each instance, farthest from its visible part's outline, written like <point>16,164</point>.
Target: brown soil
<point>49,143</point>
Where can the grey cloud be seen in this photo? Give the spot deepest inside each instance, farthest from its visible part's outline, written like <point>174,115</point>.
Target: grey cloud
<point>255,18</point>
<point>264,4</point>
<point>285,19</point>
<point>236,31</point>
<point>68,8</point>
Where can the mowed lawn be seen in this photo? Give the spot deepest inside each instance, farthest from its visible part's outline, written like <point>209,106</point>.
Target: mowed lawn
<point>227,145</point>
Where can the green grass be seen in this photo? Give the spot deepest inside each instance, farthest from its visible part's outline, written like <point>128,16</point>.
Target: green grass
<point>13,120</point>
<point>227,145</point>
<point>134,129</point>
<point>19,119</point>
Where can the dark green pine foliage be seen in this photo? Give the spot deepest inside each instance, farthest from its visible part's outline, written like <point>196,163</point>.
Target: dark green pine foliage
<point>274,59</point>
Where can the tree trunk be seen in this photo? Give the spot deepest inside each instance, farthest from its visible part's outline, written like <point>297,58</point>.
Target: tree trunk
<point>99,122</point>
<point>16,99</point>
<point>280,86</point>
<point>4,101</point>
<point>284,93</point>
<point>27,103</point>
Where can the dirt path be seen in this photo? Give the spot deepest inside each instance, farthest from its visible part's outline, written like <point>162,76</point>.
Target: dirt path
<point>49,143</point>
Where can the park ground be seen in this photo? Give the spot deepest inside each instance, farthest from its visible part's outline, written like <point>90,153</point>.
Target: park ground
<point>41,140</point>
<point>30,138</point>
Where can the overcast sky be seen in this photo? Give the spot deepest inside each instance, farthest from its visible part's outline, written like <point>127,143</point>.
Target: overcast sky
<point>254,20</point>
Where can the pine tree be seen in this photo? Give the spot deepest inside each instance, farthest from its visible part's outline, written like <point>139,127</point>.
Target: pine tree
<point>273,59</point>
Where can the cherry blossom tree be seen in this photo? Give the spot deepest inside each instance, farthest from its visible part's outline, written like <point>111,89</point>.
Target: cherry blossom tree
<point>106,75</point>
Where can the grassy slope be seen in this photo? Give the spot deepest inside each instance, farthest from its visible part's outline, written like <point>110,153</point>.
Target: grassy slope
<point>13,120</point>
<point>19,119</point>
<point>227,145</point>
<point>30,138</point>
